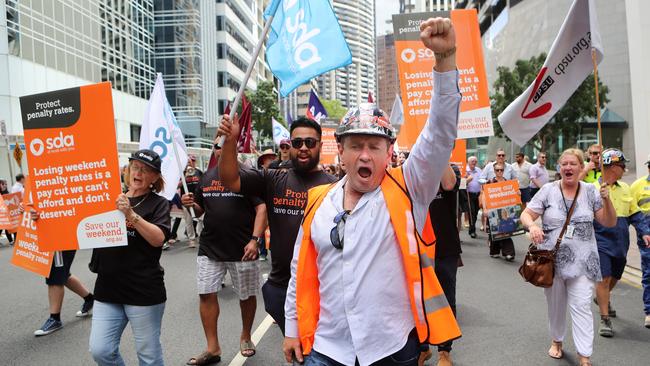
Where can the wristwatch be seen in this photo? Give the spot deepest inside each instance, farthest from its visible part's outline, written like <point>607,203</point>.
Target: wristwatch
<point>257,239</point>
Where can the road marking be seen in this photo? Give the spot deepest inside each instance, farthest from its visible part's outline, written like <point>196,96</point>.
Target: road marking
<point>239,360</point>
<point>630,282</point>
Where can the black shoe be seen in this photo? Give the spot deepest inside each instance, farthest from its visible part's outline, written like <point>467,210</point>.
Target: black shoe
<point>472,235</point>
<point>86,309</point>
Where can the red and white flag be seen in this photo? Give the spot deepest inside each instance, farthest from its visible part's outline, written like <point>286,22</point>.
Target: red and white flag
<point>566,67</point>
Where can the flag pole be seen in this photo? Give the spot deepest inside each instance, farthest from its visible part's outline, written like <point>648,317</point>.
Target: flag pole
<point>178,159</point>
<point>600,131</point>
<point>249,71</point>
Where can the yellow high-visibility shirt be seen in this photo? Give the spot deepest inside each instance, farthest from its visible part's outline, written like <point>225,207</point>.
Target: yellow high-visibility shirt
<point>640,190</point>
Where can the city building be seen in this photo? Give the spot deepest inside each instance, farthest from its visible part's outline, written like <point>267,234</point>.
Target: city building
<point>238,27</point>
<point>178,56</point>
<point>50,45</point>
<point>387,77</point>
<point>507,28</point>
<point>351,84</point>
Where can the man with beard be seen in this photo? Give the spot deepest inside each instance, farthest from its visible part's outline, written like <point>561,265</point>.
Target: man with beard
<point>285,194</point>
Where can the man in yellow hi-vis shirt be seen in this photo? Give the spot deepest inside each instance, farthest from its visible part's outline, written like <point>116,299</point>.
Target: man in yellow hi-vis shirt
<point>614,242</point>
<point>640,190</point>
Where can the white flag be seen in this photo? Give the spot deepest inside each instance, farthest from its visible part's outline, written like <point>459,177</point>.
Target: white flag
<point>397,113</point>
<point>279,132</point>
<point>566,67</point>
<point>161,133</point>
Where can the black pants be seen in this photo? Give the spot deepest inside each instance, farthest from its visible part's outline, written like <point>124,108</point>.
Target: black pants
<point>473,211</point>
<point>446,269</point>
<point>504,247</point>
<point>274,297</point>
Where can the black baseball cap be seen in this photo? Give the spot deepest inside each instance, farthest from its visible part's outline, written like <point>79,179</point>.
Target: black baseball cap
<point>148,157</point>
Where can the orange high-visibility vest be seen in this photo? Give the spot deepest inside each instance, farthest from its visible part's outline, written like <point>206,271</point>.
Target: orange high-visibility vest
<point>434,320</point>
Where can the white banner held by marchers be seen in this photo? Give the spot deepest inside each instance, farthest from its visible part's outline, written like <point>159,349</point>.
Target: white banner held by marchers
<point>568,63</point>
<point>279,132</point>
<point>161,133</point>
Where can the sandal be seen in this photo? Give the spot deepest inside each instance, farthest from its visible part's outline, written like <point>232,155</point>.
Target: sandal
<point>205,358</point>
<point>247,348</point>
<point>556,354</point>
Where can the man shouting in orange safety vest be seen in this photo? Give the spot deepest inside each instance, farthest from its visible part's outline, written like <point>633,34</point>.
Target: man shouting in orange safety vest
<point>363,288</point>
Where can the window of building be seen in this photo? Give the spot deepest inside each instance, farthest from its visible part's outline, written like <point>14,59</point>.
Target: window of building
<point>135,132</point>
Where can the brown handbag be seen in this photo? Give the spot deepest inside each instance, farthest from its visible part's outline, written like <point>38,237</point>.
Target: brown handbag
<point>539,265</point>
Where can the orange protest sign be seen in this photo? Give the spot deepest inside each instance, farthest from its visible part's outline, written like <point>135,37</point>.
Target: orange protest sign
<point>73,163</point>
<point>10,212</point>
<point>501,194</point>
<point>415,64</point>
<point>502,204</point>
<point>27,254</point>
<point>458,156</point>
<point>329,151</point>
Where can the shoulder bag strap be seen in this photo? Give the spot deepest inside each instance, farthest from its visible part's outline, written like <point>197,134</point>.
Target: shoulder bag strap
<point>568,217</point>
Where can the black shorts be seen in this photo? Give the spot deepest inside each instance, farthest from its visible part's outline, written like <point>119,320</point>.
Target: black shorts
<point>59,275</point>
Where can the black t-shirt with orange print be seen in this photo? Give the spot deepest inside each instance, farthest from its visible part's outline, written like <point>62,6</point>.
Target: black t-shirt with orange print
<point>132,274</point>
<point>285,194</point>
<point>228,221</point>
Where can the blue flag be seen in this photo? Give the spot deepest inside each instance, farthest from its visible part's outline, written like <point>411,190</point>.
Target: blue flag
<point>315,109</point>
<point>305,41</point>
<point>289,119</point>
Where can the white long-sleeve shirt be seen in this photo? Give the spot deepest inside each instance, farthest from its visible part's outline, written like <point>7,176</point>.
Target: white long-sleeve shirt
<point>365,311</point>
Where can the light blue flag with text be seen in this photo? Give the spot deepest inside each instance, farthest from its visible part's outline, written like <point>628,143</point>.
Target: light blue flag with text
<point>305,41</point>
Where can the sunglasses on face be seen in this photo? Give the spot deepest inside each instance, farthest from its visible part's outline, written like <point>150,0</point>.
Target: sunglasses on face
<point>594,153</point>
<point>336,235</point>
<point>284,147</point>
<point>309,142</point>
<point>498,170</point>
<point>501,155</point>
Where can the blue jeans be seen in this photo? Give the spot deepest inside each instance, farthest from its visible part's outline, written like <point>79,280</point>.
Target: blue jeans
<point>645,277</point>
<point>109,321</point>
<point>407,356</point>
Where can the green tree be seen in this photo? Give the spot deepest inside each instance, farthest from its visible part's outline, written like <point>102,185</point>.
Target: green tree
<point>334,108</point>
<point>265,107</point>
<point>511,83</point>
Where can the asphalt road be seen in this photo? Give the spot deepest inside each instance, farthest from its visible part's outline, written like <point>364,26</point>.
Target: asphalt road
<point>503,319</point>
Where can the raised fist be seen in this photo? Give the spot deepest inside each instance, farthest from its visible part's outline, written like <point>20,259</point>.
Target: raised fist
<point>438,35</point>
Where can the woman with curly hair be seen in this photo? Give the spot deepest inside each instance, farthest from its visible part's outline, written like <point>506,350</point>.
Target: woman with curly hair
<point>577,265</point>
